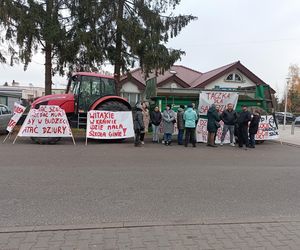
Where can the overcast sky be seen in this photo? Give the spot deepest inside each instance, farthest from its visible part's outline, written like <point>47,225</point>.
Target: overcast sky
<point>263,34</point>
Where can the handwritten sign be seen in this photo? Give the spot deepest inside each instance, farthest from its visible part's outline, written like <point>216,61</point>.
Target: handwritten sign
<point>201,132</point>
<point>207,98</point>
<point>267,129</point>
<point>109,125</point>
<point>18,112</point>
<point>47,121</point>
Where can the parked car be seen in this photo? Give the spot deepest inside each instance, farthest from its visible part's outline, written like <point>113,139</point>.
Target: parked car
<point>280,117</point>
<point>5,115</point>
<point>297,121</point>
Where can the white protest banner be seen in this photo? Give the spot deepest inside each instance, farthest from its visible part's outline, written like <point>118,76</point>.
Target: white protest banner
<point>18,112</point>
<point>47,121</point>
<point>267,129</point>
<point>109,125</point>
<point>207,98</point>
<point>201,132</point>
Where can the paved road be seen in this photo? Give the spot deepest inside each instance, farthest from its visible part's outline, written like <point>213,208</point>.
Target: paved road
<point>65,184</point>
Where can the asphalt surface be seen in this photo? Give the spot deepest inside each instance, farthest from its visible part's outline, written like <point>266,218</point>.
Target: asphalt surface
<point>66,185</point>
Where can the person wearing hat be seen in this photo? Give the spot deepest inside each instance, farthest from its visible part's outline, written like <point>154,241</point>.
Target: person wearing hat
<point>243,120</point>
<point>190,117</point>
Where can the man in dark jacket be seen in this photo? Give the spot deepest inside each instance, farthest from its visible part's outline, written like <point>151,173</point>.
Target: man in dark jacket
<point>213,119</point>
<point>229,117</point>
<point>243,119</point>
<point>155,118</point>
<point>138,124</point>
<point>253,128</point>
<point>180,124</point>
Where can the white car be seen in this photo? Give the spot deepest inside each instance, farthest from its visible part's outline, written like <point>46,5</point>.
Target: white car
<point>5,115</point>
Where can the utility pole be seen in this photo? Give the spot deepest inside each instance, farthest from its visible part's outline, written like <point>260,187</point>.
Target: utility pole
<point>286,100</point>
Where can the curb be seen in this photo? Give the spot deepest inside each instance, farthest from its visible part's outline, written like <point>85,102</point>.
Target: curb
<point>287,143</point>
<point>114,225</point>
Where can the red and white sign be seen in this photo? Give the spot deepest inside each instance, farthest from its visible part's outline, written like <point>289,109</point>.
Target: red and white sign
<point>18,112</point>
<point>109,125</point>
<point>201,132</point>
<point>47,121</point>
<point>207,98</point>
<point>267,129</point>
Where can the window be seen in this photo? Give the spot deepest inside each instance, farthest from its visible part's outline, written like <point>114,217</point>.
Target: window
<point>132,98</point>
<point>97,86</point>
<point>3,100</point>
<point>237,78</point>
<point>234,77</point>
<point>229,78</point>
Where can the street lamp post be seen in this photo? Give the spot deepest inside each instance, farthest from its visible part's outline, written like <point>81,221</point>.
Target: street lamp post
<point>286,100</point>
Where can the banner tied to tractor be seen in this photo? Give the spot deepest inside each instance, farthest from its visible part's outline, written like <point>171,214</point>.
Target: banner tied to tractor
<point>47,121</point>
<point>207,98</point>
<point>18,112</point>
<point>109,125</point>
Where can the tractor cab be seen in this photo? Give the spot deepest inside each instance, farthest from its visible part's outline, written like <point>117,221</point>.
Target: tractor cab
<point>89,87</point>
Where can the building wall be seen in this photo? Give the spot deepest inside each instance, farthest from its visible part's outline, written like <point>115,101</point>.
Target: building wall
<point>172,85</point>
<point>222,83</point>
<point>131,92</point>
<point>130,87</point>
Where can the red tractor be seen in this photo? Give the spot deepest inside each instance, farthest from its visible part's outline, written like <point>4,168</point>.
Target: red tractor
<point>85,91</point>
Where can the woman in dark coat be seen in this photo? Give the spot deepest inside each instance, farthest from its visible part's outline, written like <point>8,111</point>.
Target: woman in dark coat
<point>253,128</point>
<point>213,119</point>
<point>138,124</point>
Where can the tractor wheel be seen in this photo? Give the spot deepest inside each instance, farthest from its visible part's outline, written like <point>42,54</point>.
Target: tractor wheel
<point>113,106</point>
<point>46,140</point>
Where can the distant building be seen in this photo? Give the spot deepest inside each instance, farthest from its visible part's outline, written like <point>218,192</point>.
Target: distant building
<point>9,94</point>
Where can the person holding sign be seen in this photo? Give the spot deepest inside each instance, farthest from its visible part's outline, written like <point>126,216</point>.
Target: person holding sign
<point>253,128</point>
<point>229,117</point>
<point>190,117</point>
<point>243,119</point>
<point>168,122</point>
<point>213,125</point>
<point>138,124</point>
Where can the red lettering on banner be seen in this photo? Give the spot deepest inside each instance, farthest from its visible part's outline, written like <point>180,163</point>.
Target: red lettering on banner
<point>11,123</point>
<point>97,134</point>
<point>102,115</point>
<point>18,110</point>
<point>115,134</point>
<point>54,130</point>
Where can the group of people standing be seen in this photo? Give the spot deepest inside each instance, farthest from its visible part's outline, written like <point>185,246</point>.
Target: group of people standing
<point>245,123</point>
